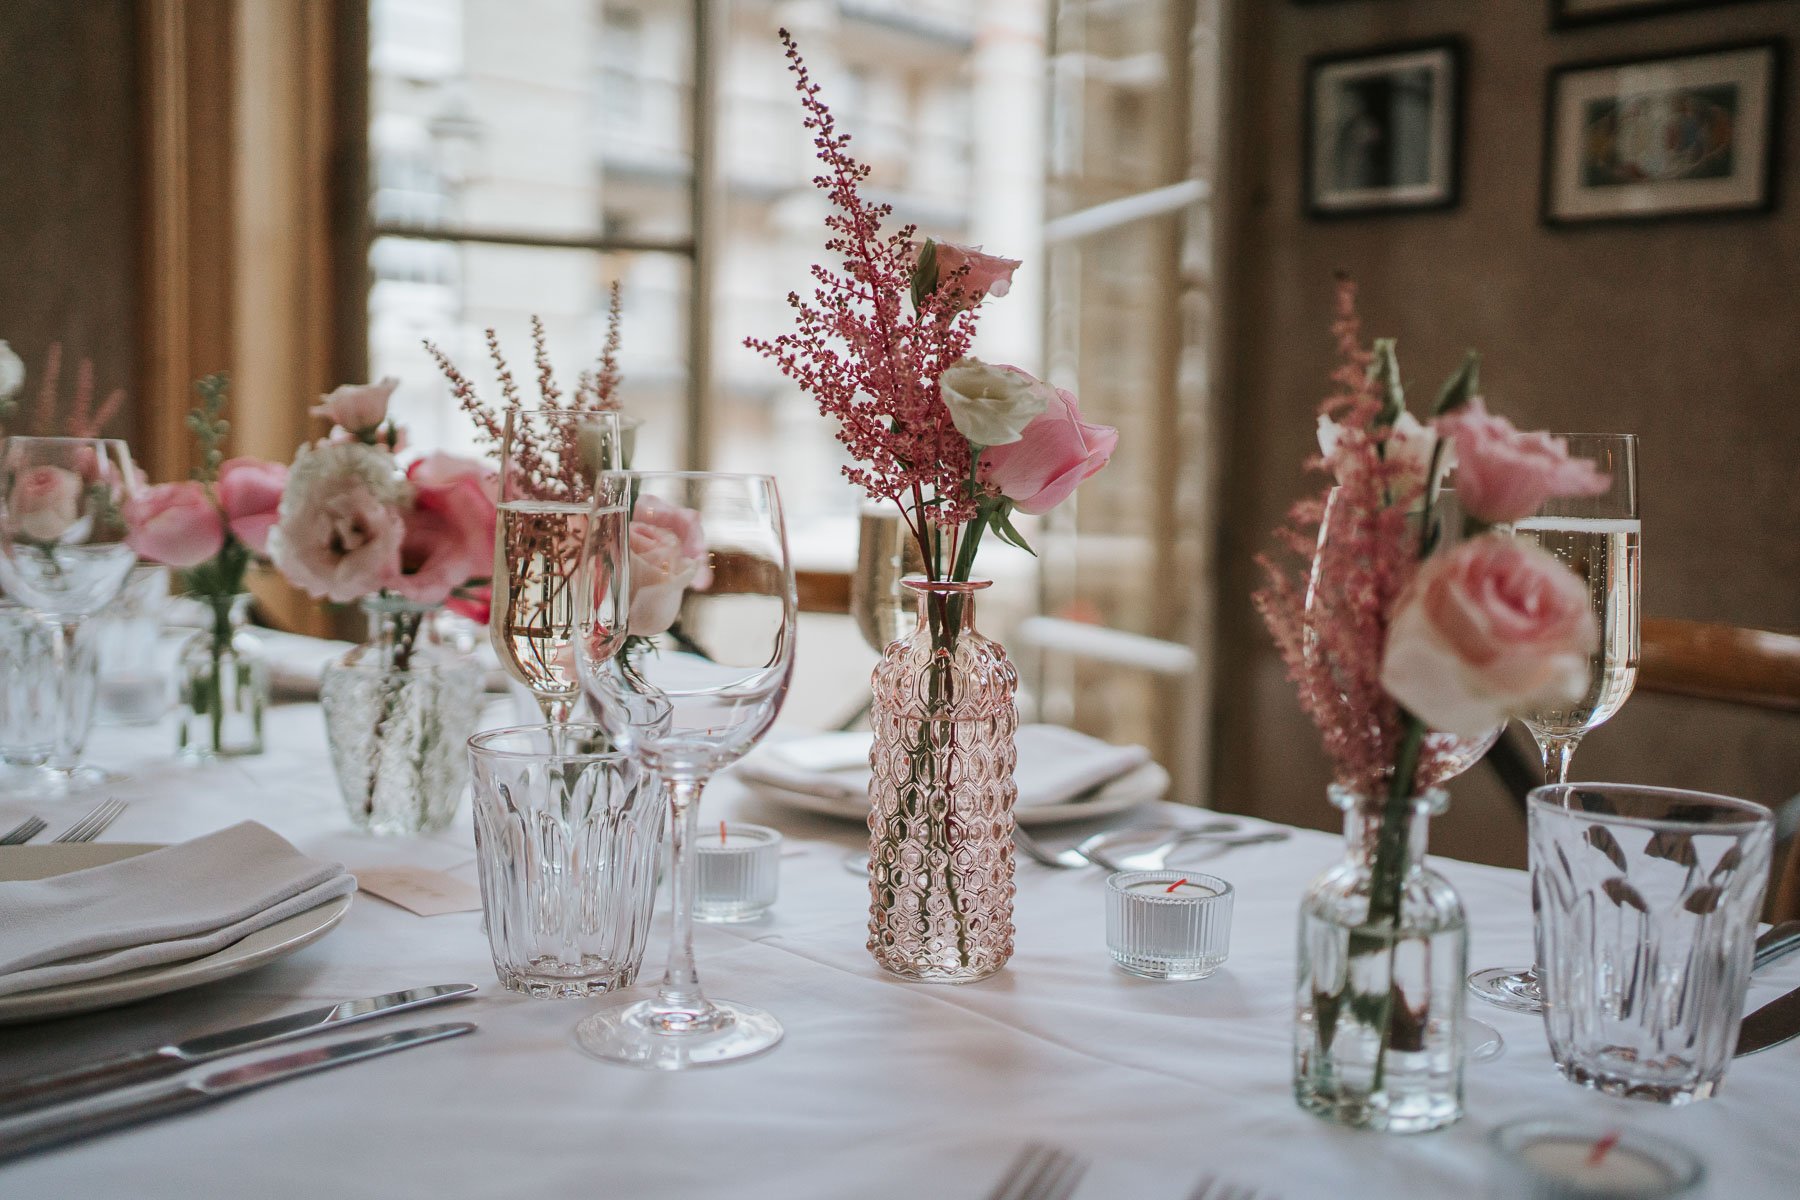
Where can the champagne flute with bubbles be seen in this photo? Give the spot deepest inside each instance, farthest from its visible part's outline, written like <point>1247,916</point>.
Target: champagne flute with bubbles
<point>63,556</point>
<point>686,644</point>
<point>549,459</point>
<point>1597,537</point>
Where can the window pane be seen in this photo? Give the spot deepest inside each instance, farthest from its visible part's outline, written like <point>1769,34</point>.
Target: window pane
<point>566,118</point>
<point>450,292</point>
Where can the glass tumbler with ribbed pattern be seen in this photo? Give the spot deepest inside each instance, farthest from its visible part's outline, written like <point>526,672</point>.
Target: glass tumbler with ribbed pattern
<point>567,833</point>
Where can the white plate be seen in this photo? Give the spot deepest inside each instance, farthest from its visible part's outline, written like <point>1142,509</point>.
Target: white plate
<point>1138,786</point>
<point>263,946</point>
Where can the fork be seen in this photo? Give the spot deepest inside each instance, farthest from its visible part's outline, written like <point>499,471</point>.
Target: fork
<point>1211,1187</point>
<point>94,824</point>
<point>23,832</point>
<point>1040,1172</point>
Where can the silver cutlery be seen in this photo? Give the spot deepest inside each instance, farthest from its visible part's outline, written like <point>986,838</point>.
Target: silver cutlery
<point>94,824</point>
<point>1040,1172</point>
<point>1776,1022</point>
<point>23,832</point>
<point>1777,942</point>
<point>1211,1187</point>
<point>115,1110</point>
<point>123,1070</point>
<point>1097,850</point>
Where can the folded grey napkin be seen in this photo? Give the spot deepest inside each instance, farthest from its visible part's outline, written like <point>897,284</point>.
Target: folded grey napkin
<point>167,906</point>
<point>1055,765</point>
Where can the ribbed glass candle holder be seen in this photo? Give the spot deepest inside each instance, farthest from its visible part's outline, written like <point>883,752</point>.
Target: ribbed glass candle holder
<point>739,869</point>
<point>1168,924</point>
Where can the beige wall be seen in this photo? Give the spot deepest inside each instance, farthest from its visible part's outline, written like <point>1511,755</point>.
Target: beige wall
<point>1684,331</point>
<point>69,189</point>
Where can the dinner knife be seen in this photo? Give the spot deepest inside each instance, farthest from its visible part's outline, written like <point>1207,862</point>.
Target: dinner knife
<point>1772,1024</point>
<point>55,1087</point>
<point>1776,942</point>
<point>97,1114</point>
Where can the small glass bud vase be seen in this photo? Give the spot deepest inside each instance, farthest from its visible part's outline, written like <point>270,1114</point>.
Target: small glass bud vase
<point>223,685</point>
<point>941,795</point>
<point>399,712</point>
<point>1378,1031</point>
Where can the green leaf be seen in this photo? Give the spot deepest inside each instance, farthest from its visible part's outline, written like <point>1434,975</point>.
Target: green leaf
<point>1000,521</point>
<point>1461,387</point>
<point>924,276</point>
<point>1385,372</point>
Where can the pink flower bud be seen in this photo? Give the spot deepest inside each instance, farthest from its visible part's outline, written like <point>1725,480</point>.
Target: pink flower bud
<point>1054,454</point>
<point>1503,475</point>
<point>174,523</point>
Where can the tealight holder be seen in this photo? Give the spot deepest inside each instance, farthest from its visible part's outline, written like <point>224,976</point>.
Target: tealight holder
<point>1544,1158</point>
<point>1168,924</point>
<point>739,869</point>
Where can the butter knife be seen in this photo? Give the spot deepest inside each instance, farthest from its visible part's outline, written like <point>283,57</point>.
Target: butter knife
<point>1776,942</point>
<point>97,1114</point>
<point>1772,1024</point>
<point>139,1066</point>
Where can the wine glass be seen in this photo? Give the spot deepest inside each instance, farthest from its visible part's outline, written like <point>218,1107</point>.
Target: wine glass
<point>1597,538</point>
<point>548,461</point>
<point>63,555</point>
<point>686,645</point>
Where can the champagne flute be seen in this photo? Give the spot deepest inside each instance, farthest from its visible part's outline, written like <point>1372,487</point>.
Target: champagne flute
<point>1597,538</point>
<point>63,555</point>
<point>548,461</point>
<point>886,553</point>
<point>685,645</point>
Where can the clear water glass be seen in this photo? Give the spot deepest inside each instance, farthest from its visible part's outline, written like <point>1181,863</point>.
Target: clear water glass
<point>28,686</point>
<point>567,830</point>
<point>1647,901</point>
<point>1168,924</point>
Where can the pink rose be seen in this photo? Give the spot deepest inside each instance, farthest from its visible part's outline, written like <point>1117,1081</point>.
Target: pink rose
<point>475,603</point>
<point>249,492</point>
<point>45,501</point>
<point>988,274</point>
<point>358,408</point>
<point>449,531</point>
<point>1503,475</point>
<point>1054,454</point>
<point>174,523</point>
<point>668,556</point>
<point>1492,628</point>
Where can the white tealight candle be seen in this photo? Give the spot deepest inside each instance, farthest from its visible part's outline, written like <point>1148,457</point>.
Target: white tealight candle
<point>737,871</point>
<point>1166,924</point>
<point>1582,1160</point>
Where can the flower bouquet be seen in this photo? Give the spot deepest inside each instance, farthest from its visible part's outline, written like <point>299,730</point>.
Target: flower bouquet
<point>1413,626</point>
<point>211,529</point>
<point>958,445</point>
<point>354,526</point>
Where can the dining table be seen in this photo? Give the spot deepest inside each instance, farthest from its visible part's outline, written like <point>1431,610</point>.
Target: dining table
<point>880,1088</point>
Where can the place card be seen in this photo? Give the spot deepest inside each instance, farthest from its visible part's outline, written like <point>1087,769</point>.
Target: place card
<point>419,890</point>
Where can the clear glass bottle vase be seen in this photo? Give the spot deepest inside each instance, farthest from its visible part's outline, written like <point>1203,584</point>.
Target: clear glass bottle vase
<point>1379,999</point>
<point>941,795</point>
<point>223,685</point>
<point>399,712</point>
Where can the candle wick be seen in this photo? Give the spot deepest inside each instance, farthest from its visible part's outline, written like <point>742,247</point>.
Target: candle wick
<point>721,833</point>
<point>1598,1154</point>
<point>1176,884</point>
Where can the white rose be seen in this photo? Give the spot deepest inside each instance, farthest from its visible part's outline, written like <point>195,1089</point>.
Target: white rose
<point>991,405</point>
<point>12,372</point>
<point>1409,447</point>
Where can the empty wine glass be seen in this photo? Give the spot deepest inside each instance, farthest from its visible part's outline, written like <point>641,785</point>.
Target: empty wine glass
<point>548,461</point>
<point>686,645</point>
<point>1597,538</point>
<point>63,555</point>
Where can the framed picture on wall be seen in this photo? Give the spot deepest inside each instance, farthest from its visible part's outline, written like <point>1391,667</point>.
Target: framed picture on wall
<point>1681,135</point>
<point>1383,128</point>
<point>1567,14</point>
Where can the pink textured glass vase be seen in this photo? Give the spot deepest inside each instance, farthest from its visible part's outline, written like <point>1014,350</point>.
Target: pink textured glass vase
<point>941,797</point>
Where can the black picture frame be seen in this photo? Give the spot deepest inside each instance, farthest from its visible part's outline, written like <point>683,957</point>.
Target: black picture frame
<point>1685,197</point>
<point>1626,10</point>
<point>1330,198</point>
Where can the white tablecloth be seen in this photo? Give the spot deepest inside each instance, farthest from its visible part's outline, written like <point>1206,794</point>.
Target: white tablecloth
<point>881,1088</point>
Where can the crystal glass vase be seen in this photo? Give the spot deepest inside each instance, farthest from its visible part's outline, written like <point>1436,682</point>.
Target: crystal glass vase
<point>1378,1027</point>
<point>224,685</point>
<point>941,796</point>
<point>398,714</point>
